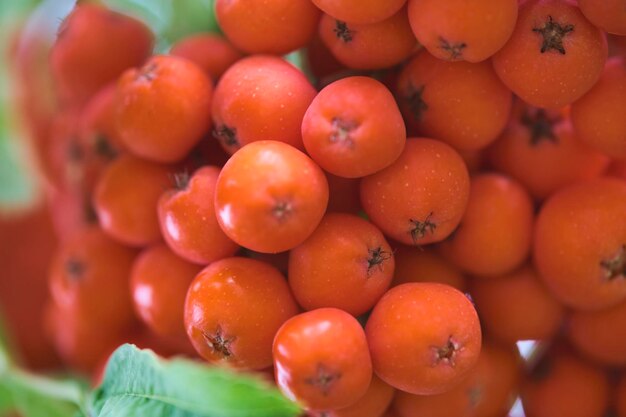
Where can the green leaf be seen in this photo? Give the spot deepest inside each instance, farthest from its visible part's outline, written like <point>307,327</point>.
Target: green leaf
<point>137,383</point>
<point>35,396</point>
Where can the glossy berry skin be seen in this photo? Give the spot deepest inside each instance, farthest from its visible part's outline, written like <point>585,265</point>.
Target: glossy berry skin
<point>488,391</point>
<point>354,128</point>
<point>233,309</point>
<point>608,15</point>
<point>536,141</point>
<point>125,199</point>
<point>360,11</point>
<point>372,404</point>
<point>580,244</point>
<point>344,256</point>
<point>495,234</point>
<point>260,97</point>
<point>598,115</point>
<point>455,30</point>
<point>162,108</point>
<point>261,27</point>
<point>461,103</point>
<point>188,222</point>
<point>421,197</point>
<point>321,359</point>
<point>377,45</point>
<point>517,306</point>
<point>211,52</point>
<point>159,282</point>
<point>554,56</point>
<point>90,274</point>
<point>424,337</point>
<point>93,47</point>
<point>270,197</point>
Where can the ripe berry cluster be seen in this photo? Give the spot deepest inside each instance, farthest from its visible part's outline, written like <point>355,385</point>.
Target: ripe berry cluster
<point>377,229</point>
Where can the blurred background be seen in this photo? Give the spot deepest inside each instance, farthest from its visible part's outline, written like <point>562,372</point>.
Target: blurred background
<point>35,212</point>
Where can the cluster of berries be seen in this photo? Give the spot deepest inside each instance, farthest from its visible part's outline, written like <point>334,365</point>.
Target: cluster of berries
<point>376,229</point>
